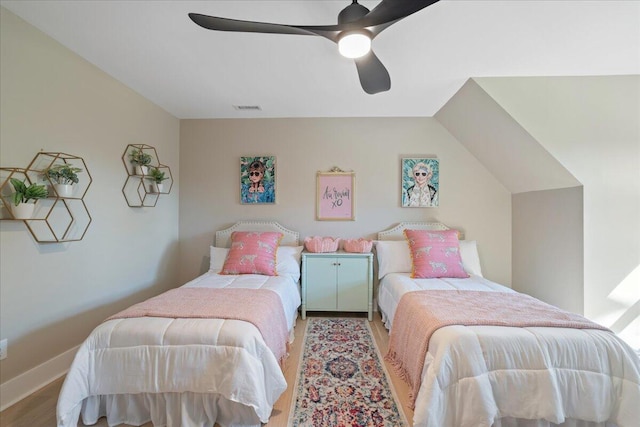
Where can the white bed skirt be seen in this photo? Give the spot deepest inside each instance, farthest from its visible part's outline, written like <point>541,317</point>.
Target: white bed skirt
<point>185,409</point>
<point>193,409</point>
<point>515,422</point>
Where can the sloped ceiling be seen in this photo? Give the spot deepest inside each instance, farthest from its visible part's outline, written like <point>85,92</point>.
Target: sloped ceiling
<point>500,143</point>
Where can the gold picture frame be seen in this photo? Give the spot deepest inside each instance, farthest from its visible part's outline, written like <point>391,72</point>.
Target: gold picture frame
<point>335,195</point>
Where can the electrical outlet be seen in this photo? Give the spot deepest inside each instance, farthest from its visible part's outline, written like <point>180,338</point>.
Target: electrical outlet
<point>3,349</point>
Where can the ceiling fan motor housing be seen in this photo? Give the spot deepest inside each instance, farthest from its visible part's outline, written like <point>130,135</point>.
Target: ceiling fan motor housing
<point>351,13</point>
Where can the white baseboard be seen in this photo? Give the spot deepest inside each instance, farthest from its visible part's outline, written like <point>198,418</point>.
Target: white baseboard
<point>23,385</point>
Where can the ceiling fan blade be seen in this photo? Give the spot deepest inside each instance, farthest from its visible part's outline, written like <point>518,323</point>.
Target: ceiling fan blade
<point>388,12</point>
<point>382,16</point>
<point>225,24</point>
<point>374,77</point>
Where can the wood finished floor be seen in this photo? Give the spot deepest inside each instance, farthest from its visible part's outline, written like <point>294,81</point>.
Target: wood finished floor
<point>39,409</point>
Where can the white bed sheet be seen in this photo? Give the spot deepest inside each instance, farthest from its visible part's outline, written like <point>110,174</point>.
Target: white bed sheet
<point>479,376</point>
<point>204,370</point>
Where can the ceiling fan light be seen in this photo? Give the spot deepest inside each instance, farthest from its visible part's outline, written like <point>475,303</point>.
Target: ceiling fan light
<point>354,44</point>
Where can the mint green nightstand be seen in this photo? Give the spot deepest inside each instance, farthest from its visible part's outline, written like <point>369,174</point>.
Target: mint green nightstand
<point>337,281</point>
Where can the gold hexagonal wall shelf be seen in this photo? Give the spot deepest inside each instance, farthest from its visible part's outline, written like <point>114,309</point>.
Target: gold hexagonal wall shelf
<point>60,217</point>
<point>139,189</point>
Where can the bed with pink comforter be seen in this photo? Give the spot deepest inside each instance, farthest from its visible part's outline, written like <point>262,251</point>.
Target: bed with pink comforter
<point>478,354</point>
<point>180,371</point>
<point>204,353</point>
<point>535,376</point>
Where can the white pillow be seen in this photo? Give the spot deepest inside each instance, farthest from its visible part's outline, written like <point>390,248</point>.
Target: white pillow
<point>287,260</point>
<point>394,256</point>
<point>470,258</point>
<point>218,255</point>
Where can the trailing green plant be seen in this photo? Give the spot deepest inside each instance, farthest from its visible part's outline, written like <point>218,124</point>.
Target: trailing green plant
<point>139,157</point>
<point>63,173</point>
<point>24,193</point>
<point>157,175</point>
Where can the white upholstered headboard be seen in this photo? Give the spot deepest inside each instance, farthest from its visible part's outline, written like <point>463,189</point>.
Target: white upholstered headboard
<point>290,238</point>
<point>397,232</point>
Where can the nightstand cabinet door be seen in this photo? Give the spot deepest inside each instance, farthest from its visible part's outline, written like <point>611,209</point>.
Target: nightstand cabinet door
<point>321,284</point>
<point>352,284</point>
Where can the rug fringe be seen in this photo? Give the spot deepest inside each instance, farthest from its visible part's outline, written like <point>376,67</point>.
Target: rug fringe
<point>298,374</point>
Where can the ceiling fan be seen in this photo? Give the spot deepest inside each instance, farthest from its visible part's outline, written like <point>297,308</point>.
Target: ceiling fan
<point>356,27</point>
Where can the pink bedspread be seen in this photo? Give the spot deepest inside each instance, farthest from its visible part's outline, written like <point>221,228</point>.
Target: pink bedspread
<point>421,313</point>
<point>261,307</point>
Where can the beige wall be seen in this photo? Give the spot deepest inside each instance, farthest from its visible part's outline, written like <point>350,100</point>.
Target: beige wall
<point>548,246</point>
<point>53,295</point>
<point>592,126</point>
<point>470,198</point>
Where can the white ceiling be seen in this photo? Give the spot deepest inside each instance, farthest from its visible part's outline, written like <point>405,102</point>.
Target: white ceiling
<point>155,49</point>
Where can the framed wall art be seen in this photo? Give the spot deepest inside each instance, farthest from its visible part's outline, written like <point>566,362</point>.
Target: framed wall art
<point>420,183</point>
<point>258,180</point>
<point>335,196</point>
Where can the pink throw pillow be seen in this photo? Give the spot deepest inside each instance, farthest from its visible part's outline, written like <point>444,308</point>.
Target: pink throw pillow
<point>435,253</point>
<point>252,252</point>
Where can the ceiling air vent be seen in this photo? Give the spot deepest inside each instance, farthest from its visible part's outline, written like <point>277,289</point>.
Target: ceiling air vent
<point>247,107</point>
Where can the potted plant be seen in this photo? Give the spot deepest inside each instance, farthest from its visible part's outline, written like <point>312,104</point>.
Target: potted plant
<point>157,176</point>
<point>63,176</point>
<point>140,160</point>
<point>21,208</point>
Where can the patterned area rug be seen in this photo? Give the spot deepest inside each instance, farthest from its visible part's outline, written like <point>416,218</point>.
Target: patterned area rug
<point>342,381</point>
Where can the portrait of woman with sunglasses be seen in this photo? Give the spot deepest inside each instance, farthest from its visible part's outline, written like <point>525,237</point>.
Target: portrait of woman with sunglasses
<point>423,191</point>
<point>258,180</point>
